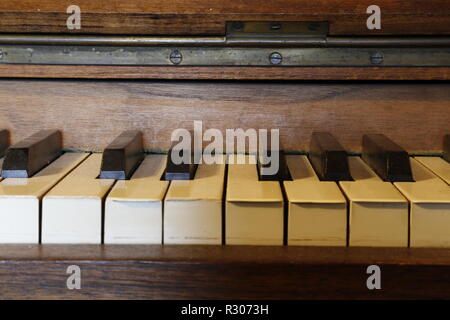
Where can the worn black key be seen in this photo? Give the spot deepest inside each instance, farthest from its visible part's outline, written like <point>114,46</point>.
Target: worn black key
<point>328,158</point>
<point>447,148</point>
<point>386,158</point>
<point>180,166</point>
<point>4,142</point>
<point>269,171</point>
<point>122,156</point>
<point>30,155</point>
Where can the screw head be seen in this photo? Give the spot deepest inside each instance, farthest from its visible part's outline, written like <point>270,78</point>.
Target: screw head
<point>376,58</point>
<point>275,58</point>
<point>237,25</point>
<point>275,26</point>
<point>176,57</point>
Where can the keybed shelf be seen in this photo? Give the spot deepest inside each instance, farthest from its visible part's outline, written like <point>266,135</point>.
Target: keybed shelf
<point>221,272</point>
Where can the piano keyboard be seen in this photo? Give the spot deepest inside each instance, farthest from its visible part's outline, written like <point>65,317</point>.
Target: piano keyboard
<point>327,200</point>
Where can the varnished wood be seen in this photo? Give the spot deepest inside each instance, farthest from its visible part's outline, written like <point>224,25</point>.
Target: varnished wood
<point>209,17</point>
<point>223,73</point>
<point>221,272</point>
<point>91,113</point>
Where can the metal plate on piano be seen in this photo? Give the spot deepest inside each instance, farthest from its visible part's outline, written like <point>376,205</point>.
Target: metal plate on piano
<point>224,56</point>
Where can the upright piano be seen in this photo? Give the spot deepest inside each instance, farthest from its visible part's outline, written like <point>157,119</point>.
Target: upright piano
<point>91,93</point>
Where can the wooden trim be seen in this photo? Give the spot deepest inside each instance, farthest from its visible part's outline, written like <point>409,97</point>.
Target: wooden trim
<point>91,113</point>
<point>232,6</point>
<point>209,17</point>
<point>224,73</point>
<point>221,272</point>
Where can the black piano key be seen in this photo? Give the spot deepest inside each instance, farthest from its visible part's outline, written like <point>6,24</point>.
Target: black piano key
<point>182,171</point>
<point>122,156</point>
<point>386,158</point>
<point>447,148</point>
<point>4,142</point>
<point>30,155</point>
<point>328,158</point>
<point>264,165</point>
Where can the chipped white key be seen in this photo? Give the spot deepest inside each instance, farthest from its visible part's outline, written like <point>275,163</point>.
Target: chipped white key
<point>378,211</point>
<point>193,208</point>
<point>317,213</point>
<point>134,208</point>
<point>429,198</point>
<point>72,210</point>
<point>20,199</point>
<point>254,213</point>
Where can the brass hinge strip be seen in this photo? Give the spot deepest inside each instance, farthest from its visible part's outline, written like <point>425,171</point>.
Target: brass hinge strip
<point>237,34</point>
<point>222,41</point>
<point>254,43</point>
<point>225,56</point>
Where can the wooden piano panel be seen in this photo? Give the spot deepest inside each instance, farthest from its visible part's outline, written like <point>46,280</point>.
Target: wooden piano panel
<point>221,272</point>
<point>203,17</point>
<point>91,113</point>
<point>223,73</point>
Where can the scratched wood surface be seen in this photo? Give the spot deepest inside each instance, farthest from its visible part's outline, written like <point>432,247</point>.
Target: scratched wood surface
<point>221,272</point>
<point>209,16</point>
<point>91,113</point>
<point>223,73</point>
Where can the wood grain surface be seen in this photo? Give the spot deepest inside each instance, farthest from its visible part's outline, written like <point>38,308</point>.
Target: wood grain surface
<point>91,113</point>
<point>209,16</point>
<point>221,272</point>
<point>223,73</point>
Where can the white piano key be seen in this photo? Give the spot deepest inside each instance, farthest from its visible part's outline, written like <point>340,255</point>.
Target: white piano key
<point>134,208</point>
<point>193,208</point>
<point>254,213</point>
<point>378,213</point>
<point>317,213</point>
<point>72,210</point>
<point>20,199</point>
<point>429,198</point>
<point>438,166</point>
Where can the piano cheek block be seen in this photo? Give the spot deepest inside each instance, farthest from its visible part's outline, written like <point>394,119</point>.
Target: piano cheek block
<point>29,156</point>
<point>123,156</point>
